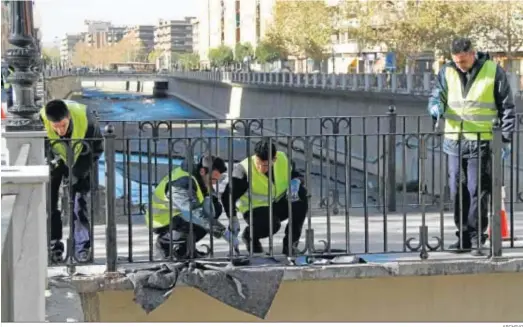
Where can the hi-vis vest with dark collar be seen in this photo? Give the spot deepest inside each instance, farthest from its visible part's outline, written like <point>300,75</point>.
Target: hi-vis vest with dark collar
<point>78,114</point>
<point>161,204</point>
<point>260,183</point>
<point>472,115</point>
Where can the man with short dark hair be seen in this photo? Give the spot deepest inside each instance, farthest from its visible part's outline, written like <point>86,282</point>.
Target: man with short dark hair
<point>266,163</point>
<point>471,92</point>
<point>185,196</point>
<point>70,125</point>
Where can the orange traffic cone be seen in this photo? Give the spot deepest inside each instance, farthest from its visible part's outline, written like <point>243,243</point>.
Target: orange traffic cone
<point>3,113</point>
<point>505,234</point>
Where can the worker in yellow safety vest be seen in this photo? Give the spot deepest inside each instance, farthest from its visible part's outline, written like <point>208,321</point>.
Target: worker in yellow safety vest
<point>184,197</point>
<point>471,92</point>
<point>74,144</point>
<point>270,181</point>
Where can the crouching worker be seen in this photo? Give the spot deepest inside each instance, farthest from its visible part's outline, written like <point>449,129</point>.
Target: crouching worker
<point>266,158</point>
<point>65,121</point>
<point>183,195</point>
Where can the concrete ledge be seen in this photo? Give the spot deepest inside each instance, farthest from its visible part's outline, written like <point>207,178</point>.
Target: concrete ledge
<point>95,280</point>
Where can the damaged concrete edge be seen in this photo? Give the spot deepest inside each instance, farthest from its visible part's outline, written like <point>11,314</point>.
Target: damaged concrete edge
<point>93,279</point>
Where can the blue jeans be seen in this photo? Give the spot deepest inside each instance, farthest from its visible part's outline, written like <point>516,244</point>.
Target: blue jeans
<point>476,190</point>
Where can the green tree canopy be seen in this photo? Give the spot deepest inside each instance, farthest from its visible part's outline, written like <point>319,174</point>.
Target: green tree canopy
<point>303,27</point>
<point>221,56</point>
<point>153,55</point>
<point>411,29</point>
<point>51,55</point>
<point>242,50</point>
<point>267,52</point>
<point>500,28</point>
<point>190,60</point>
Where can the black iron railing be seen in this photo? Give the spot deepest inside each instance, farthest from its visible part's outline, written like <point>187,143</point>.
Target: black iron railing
<point>374,185</point>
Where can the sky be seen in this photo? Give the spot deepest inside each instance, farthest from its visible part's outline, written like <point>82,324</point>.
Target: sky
<point>58,17</point>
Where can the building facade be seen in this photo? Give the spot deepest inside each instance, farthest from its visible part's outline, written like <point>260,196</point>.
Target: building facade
<point>195,34</point>
<point>171,37</point>
<point>96,33</point>
<point>229,22</point>
<point>67,45</point>
<point>115,34</point>
<point>143,34</point>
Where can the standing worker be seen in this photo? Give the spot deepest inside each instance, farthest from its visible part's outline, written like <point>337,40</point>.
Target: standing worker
<point>65,121</point>
<point>471,92</point>
<point>259,173</point>
<point>183,196</point>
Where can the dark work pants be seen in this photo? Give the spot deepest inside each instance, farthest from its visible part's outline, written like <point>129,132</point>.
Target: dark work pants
<point>280,212</point>
<point>182,228</point>
<point>473,198</point>
<point>79,215</point>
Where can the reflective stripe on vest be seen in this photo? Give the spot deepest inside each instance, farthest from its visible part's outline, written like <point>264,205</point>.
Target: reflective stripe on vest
<point>160,202</point>
<point>260,183</point>
<point>78,114</point>
<point>473,115</point>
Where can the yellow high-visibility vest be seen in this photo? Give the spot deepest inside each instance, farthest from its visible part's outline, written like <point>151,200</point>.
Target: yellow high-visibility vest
<point>260,183</point>
<point>78,114</point>
<point>472,115</point>
<point>161,212</point>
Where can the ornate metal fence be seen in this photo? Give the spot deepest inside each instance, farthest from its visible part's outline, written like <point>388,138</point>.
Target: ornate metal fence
<point>373,185</point>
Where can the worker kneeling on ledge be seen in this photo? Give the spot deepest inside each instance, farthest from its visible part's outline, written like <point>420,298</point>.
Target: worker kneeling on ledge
<point>259,168</point>
<point>184,196</point>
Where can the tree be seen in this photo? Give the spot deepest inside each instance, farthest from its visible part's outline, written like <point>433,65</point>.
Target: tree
<point>242,50</point>
<point>175,59</point>
<point>51,55</point>
<point>412,29</point>
<point>221,56</point>
<point>267,52</point>
<point>153,56</point>
<point>190,60</point>
<point>82,55</point>
<point>128,50</point>
<point>501,27</point>
<point>303,27</point>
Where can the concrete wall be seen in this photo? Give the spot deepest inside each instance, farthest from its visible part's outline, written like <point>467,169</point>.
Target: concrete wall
<point>463,298</point>
<point>273,103</point>
<point>120,86</point>
<point>62,87</point>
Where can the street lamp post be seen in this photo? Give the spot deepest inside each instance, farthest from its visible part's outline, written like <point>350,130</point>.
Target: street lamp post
<point>23,57</point>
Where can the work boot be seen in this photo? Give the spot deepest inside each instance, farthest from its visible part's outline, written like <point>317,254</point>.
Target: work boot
<point>56,252</point>
<point>180,252</point>
<point>285,249</point>
<point>456,247</point>
<point>257,247</point>
<point>83,255</point>
<point>476,247</point>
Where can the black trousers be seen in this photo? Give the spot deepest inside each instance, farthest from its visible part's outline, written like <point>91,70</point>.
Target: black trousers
<point>476,190</point>
<point>80,190</point>
<point>183,227</point>
<point>280,212</point>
